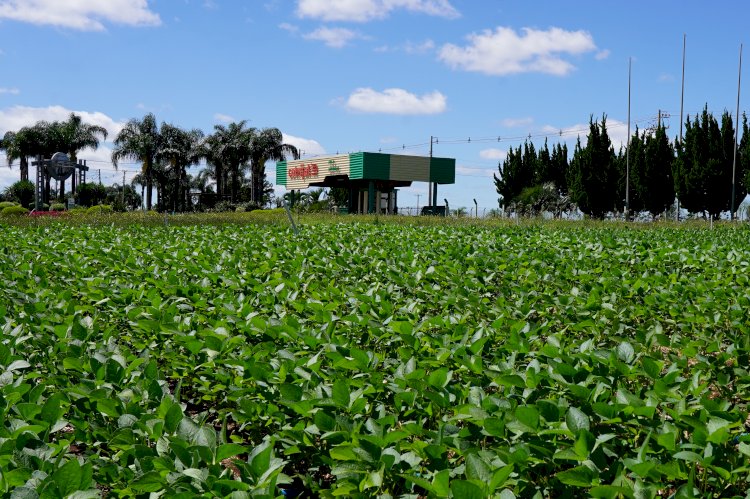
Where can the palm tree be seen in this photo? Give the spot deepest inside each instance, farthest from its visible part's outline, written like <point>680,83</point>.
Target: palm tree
<point>139,140</point>
<point>139,179</point>
<point>211,151</point>
<point>202,183</point>
<point>179,149</point>
<point>77,135</point>
<point>19,146</point>
<point>74,135</point>
<point>266,145</point>
<point>232,143</point>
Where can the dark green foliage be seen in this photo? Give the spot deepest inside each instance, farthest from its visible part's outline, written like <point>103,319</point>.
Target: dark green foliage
<point>90,194</point>
<point>703,168</point>
<point>21,192</point>
<point>515,174</point>
<point>656,186</point>
<point>339,197</point>
<point>593,174</point>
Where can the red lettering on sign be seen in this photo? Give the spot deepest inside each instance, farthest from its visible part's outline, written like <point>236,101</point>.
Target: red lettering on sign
<point>309,170</point>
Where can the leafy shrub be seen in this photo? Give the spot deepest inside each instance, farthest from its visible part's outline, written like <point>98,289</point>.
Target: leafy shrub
<point>22,192</point>
<point>6,204</point>
<point>100,209</point>
<point>14,211</point>
<point>248,206</point>
<point>57,207</point>
<point>225,206</point>
<point>118,206</point>
<point>90,194</point>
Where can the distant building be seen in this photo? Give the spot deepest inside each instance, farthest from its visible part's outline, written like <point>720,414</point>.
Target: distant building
<point>372,179</point>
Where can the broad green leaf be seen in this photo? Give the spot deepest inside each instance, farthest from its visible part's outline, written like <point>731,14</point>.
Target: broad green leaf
<point>466,490</point>
<point>580,476</point>
<point>577,420</point>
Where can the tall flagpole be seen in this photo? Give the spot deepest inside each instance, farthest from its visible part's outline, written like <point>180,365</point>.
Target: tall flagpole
<point>736,130</point>
<point>682,106</point>
<point>627,152</point>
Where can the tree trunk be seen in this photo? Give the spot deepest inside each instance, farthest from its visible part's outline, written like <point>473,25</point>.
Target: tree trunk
<point>148,190</point>
<point>177,190</point>
<point>257,186</point>
<point>25,168</point>
<point>219,173</point>
<point>234,183</point>
<point>47,188</point>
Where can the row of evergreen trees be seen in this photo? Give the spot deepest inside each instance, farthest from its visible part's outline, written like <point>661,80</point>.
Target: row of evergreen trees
<point>697,171</point>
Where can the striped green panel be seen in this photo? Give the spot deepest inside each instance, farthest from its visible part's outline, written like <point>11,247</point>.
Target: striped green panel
<point>443,170</point>
<point>356,165</point>
<point>377,166</point>
<point>281,173</point>
<point>410,168</point>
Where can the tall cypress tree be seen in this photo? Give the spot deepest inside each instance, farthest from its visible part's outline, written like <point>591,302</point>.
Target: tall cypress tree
<point>515,174</point>
<point>703,168</point>
<point>592,173</point>
<point>657,189</point>
<point>638,189</point>
<point>560,168</point>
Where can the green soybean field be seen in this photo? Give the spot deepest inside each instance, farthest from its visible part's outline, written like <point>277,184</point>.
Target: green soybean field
<point>374,360</point>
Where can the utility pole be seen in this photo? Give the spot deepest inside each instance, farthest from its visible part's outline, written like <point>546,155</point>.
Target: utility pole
<point>430,201</point>
<point>627,151</point>
<point>123,188</point>
<point>100,176</point>
<point>418,203</point>
<point>736,130</point>
<point>682,102</point>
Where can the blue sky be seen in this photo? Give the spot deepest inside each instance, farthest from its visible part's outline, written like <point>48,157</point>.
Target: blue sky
<point>366,75</point>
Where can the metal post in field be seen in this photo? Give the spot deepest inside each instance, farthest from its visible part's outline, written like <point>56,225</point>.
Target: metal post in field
<point>627,151</point>
<point>736,130</point>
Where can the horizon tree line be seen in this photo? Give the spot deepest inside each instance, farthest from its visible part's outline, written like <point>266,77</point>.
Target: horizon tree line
<point>165,152</point>
<point>696,171</point>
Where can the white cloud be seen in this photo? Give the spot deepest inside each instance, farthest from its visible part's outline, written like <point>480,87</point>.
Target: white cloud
<point>617,131</point>
<point>395,101</point>
<point>224,118</point>
<point>419,48</point>
<point>308,147</point>
<point>492,153</point>
<point>8,175</point>
<point>86,15</point>
<point>368,10</point>
<point>665,77</point>
<point>333,37</point>
<point>601,55</point>
<point>16,117</point>
<point>408,47</point>
<point>291,28</point>
<point>504,51</point>
<point>11,91</point>
<point>474,172</point>
<point>517,122</point>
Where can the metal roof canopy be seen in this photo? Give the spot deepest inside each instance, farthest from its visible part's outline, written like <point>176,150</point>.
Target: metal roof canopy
<point>347,170</point>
